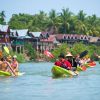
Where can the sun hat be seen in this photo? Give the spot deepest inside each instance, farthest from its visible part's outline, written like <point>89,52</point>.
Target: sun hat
<point>69,55</point>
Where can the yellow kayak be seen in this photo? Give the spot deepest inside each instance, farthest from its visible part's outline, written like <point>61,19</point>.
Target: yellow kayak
<point>3,73</point>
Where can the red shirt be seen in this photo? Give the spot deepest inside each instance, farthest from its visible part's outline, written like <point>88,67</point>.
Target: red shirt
<point>65,64</point>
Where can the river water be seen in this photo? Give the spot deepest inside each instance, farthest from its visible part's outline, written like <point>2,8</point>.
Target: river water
<point>37,84</point>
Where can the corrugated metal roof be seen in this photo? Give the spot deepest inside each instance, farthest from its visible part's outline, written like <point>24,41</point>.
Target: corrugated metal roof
<point>4,28</point>
<point>22,32</point>
<point>36,34</point>
<point>13,33</point>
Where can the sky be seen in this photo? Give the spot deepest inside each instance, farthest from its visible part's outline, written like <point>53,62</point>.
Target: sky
<point>34,6</point>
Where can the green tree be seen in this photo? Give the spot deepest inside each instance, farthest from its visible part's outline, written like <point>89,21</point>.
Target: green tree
<point>61,49</point>
<point>65,18</point>
<point>30,51</point>
<point>2,17</point>
<point>81,16</point>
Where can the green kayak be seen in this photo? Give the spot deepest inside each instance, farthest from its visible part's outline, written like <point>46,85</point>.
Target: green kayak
<point>2,73</point>
<point>60,72</point>
<point>79,68</point>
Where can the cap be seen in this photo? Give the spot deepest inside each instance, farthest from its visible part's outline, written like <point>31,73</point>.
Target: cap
<point>14,56</point>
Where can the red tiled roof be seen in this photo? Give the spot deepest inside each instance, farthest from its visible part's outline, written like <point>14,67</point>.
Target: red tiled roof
<point>60,36</point>
<point>51,38</point>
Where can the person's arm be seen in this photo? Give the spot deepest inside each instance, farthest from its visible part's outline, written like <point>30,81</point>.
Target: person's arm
<point>17,66</point>
<point>11,69</point>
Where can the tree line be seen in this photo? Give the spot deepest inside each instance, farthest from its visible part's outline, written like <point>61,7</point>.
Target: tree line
<point>64,22</point>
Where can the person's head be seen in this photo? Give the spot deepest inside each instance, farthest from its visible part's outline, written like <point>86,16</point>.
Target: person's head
<point>3,59</point>
<point>9,58</point>
<point>61,57</point>
<point>69,56</point>
<point>14,58</point>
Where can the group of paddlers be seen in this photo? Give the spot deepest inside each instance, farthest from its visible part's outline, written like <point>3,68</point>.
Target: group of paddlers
<point>9,64</point>
<point>70,62</point>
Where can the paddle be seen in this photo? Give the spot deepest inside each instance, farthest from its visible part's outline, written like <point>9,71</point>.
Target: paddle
<point>83,68</point>
<point>48,54</point>
<point>11,69</point>
<point>84,53</point>
<point>6,49</point>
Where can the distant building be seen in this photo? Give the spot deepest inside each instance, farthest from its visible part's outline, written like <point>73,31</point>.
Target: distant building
<point>36,39</point>
<point>48,43</point>
<point>94,40</point>
<point>18,38</point>
<point>4,36</point>
<point>72,38</point>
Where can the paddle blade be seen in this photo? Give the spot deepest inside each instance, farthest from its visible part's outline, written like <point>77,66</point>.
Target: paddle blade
<point>84,68</point>
<point>84,53</point>
<point>6,49</point>
<point>48,54</point>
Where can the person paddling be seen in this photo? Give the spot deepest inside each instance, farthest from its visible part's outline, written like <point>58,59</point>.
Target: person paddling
<point>72,60</point>
<point>14,64</point>
<point>5,66</point>
<point>62,62</point>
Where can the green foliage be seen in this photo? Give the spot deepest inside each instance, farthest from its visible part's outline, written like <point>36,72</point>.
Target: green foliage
<point>20,57</point>
<point>2,18</point>
<point>61,22</point>
<point>76,49</point>
<point>61,49</point>
<point>30,51</point>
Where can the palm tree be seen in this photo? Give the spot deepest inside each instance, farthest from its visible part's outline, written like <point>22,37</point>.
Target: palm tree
<point>65,17</point>
<point>54,21</point>
<point>2,17</point>
<point>80,27</point>
<point>42,20</point>
<point>81,15</point>
<point>92,20</point>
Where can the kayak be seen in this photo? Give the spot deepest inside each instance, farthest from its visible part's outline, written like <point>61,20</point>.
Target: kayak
<point>60,72</point>
<point>81,68</point>
<point>3,73</point>
<point>92,64</point>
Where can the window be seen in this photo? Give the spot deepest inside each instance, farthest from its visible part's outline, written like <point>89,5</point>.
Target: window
<point>81,37</point>
<point>75,37</point>
<point>71,37</point>
<point>68,37</point>
<point>64,37</point>
<point>85,38</point>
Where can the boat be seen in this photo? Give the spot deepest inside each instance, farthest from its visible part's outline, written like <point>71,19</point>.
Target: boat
<point>92,64</point>
<point>81,68</point>
<point>61,72</point>
<point>3,73</point>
